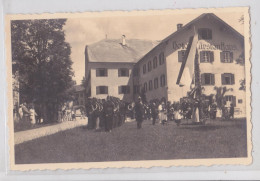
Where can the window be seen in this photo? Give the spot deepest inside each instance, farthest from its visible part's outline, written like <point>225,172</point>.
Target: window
<point>102,90</point>
<point>240,101</point>
<point>154,62</point>
<point>181,55</point>
<point>230,99</point>
<point>205,34</point>
<point>136,72</point>
<point>144,68</point>
<point>101,72</point>
<point>149,66</point>
<point>226,57</point>
<point>227,79</point>
<point>207,79</point>
<point>123,72</point>
<point>162,78</point>
<point>145,87</point>
<point>124,89</point>
<point>136,89</point>
<point>155,83</point>
<point>161,58</point>
<point>150,85</point>
<point>206,56</point>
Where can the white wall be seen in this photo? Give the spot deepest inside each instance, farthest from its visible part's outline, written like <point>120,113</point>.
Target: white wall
<point>112,80</point>
<point>217,68</point>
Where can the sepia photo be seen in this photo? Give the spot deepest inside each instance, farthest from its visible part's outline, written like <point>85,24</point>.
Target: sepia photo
<point>129,89</point>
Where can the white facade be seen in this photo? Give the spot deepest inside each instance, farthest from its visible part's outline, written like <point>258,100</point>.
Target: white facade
<point>112,80</point>
<point>222,39</point>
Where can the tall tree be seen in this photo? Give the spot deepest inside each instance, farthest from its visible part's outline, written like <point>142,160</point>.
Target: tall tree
<point>41,57</point>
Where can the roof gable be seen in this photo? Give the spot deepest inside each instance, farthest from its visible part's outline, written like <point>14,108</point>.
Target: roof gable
<point>188,25</point>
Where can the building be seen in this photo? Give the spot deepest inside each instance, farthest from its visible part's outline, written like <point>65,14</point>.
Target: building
<point>156,71</point>
<point>109,65</point>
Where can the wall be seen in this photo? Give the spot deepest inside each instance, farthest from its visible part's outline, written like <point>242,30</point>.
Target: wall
<point>112,80</point>
<point>218,36</point>
<point>160,92</point>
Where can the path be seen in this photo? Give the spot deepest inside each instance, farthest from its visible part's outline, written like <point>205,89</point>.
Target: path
<point>22,136</point>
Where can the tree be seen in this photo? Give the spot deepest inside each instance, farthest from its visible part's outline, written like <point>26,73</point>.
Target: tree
<point>41,57</point>
<point>220,96</point>
<point>84,82</point>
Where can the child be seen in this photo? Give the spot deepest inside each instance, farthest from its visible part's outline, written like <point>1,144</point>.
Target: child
<point>178,116</point>
<point>73,116</point>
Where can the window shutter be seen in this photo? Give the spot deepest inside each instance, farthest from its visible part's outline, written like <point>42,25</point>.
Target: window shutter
<point>212,78</point>
<point>119,72</point>
<point>232,79</point>
<point>221,56</point>
<point>202,79</point>
<point>223,79</point>
<point>201,56</point>
<point>234,101</point>
<point>231,57</point>
<point>97,72</point>
<point>119,90</point>
<point>179,56</point>
<point>106,89</point>
<point>97,90</point>
<point>211,56</point>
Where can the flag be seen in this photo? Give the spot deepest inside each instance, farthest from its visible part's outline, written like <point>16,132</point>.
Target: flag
<point>186,74</point>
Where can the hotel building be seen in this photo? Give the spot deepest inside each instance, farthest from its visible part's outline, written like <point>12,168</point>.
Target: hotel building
<point>123,68</point>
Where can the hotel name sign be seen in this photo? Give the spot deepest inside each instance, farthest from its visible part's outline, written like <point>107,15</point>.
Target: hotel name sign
<point>203,46</point>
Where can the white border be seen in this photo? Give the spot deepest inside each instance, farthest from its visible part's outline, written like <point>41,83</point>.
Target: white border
<point>241,172</point>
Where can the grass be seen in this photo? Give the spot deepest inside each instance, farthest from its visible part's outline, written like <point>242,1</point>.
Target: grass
<point>216,139</point>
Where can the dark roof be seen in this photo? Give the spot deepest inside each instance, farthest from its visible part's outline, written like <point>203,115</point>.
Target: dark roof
<point>241,37</point>
<point>112,50</point>
<point>78,88</point>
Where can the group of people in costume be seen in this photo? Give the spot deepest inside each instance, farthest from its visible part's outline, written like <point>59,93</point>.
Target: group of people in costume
<point>112,112</point>
<point>106,113</point>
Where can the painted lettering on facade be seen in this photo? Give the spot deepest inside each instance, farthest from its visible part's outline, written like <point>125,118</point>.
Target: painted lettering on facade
<point>202,46</point>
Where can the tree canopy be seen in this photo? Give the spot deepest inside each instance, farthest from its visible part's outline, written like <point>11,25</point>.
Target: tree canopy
<point>41,57</point>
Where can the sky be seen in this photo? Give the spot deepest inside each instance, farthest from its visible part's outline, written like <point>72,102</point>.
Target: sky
<point>80,32</point>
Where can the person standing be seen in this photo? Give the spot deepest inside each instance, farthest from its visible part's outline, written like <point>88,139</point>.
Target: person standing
<point>232,110</point>
<point>32,115</point>
<point>162,113</point>
<point>20,111</point>
<point>109,114</point>
<point>139,112</point>
<point>154,111</point>
<point>26,113</point>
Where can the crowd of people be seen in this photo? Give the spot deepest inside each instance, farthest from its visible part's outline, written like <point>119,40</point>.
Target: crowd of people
<point>106,113</point>
<point>109,113</point>
<point>112,112</point>
<point>26,113</point>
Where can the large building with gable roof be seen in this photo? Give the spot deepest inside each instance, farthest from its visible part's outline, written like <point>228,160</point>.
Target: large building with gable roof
<point>123,68</point>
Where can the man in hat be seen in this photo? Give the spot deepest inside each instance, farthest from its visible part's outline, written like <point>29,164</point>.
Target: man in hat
<point>139,112</point>
<point>109,114</point>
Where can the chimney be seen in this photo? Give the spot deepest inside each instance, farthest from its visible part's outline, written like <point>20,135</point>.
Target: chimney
<point>179,26</point>
<point>123,40</point>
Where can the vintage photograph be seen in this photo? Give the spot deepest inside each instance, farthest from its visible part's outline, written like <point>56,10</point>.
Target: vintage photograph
<point>129,87</point>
